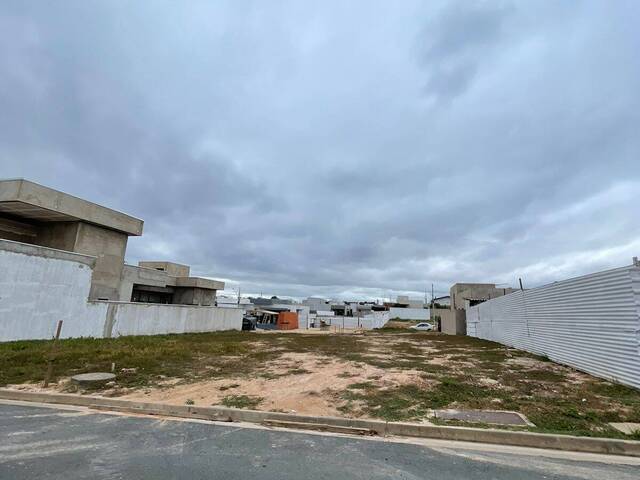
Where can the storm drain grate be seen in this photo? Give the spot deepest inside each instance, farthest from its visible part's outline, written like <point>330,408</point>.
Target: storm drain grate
<point>484,416</point>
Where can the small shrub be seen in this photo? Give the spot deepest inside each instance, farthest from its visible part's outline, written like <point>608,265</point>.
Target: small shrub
<point>241,401</point>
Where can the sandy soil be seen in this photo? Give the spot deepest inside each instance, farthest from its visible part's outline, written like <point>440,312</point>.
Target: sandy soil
<point>312,393</point>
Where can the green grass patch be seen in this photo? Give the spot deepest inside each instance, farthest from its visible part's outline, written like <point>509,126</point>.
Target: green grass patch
<point>544,376</point>
<point>200,355</point>
<point>241,401</point>
<point>407,402</point>
<point>361,385</point>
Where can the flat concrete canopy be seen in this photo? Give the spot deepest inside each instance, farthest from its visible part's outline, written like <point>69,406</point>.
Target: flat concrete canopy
<point>26,199</point>
<point>199,282</point>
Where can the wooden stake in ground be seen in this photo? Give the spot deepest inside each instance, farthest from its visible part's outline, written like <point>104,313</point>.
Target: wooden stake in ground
<point>47,377</point>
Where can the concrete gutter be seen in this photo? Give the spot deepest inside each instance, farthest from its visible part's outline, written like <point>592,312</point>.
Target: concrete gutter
<point>358,426</point>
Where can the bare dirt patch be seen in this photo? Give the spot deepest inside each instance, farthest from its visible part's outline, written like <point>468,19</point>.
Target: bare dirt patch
<point>312,392</point>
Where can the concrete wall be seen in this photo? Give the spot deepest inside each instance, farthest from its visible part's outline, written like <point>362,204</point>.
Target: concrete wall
<point>152,319</point>
<point>453,322</point>
<point>439,315</point>
<point>39,286</point>
<point>173,269</point>
<point>108,246</point>
<point>60,235</point>
<point>409,313</point>
<point>366,322</point>
<point>460,292</point>
<point>194,296</point>
<point>144,276</point>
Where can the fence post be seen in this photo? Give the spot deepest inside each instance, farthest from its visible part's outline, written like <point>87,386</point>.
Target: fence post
<point>47,377</point>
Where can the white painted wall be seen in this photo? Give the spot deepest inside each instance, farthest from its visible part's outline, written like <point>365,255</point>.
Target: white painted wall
<point>156,319</point>
<point>39,286</point>
<point>366,322</point>
<point>37,291</point>
<point>409,313</point>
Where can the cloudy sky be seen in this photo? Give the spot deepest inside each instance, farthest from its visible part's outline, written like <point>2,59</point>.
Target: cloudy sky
<point>338,148</point>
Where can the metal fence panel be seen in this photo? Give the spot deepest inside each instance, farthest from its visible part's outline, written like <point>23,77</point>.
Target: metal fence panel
<point>591,323</point>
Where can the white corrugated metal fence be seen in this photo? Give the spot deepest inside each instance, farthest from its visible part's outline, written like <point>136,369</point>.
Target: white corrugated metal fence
<point>591,323</point>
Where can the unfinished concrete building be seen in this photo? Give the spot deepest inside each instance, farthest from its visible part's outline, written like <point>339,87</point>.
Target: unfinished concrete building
<point>38,215</point>
<point>167,282</point>
<point>453,320</point>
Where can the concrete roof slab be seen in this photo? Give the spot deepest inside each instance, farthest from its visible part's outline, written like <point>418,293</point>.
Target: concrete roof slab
<point>26,199</point>
<point>198,282</point>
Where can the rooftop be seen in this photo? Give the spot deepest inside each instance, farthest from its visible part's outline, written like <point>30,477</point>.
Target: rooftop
<point>30,200</point>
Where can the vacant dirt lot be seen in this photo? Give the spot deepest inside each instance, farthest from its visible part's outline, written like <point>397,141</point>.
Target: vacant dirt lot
<point>390,374</point>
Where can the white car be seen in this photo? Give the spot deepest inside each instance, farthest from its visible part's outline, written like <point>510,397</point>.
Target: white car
<point>423,327</point>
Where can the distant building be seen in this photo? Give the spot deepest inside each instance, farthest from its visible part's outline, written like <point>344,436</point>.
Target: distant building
<point>317,304</point>
<point>464,295</point>
<point>444,301</point>
<point>453,320</point>
<point>403,301</point>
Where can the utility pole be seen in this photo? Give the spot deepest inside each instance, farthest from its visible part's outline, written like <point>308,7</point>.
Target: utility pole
<point>431,314</point>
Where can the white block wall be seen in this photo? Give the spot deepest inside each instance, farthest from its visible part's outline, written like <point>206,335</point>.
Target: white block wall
<point>409,313</point>
<point>39,286</point>
<point>37,291</point>
<point>366,322</point>
<point>155,319</point>
<point>591,323</point>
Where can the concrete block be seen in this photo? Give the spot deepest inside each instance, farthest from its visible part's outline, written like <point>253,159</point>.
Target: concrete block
<point>92,379</point>
<point>627,428</point>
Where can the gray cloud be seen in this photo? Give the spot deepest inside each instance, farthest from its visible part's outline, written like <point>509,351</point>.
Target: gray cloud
<point>340,150</point>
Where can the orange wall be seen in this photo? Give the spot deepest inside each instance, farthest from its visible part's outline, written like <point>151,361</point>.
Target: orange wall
<point>287,320</point>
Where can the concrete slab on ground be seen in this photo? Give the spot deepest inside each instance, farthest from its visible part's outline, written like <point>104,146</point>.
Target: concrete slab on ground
<point>493,417</point>
<point>627,428</point>
<point>93,379</point>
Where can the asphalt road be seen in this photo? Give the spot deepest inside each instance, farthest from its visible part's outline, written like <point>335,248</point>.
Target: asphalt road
<point>41,442</point>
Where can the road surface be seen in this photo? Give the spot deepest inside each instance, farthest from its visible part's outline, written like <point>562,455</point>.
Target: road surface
<point>76,443</point>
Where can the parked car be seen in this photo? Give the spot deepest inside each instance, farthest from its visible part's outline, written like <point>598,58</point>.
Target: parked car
<point>422,327</point>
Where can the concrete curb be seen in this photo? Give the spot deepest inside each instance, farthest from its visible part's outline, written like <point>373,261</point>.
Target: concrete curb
<point>479,435</point>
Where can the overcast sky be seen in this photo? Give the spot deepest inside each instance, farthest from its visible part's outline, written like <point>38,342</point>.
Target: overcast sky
<point>344,149</point>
